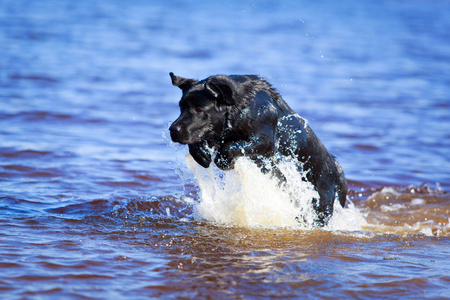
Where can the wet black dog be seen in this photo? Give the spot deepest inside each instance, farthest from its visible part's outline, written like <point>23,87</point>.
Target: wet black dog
<point>245,116</point>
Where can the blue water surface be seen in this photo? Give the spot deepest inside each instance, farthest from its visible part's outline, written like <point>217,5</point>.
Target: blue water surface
<point>90,185</point>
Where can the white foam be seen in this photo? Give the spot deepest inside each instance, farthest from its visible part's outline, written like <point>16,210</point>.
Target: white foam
<point>418,202</point>
<point>392,207</point>
<point>246,197</point>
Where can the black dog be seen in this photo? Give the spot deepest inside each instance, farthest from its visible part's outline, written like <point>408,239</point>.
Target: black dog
<point>245,116</point>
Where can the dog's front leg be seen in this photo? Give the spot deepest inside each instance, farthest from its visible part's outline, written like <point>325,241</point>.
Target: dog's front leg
<point>226,155</point>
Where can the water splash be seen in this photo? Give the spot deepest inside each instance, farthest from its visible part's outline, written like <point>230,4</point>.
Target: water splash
<point>245,197</point>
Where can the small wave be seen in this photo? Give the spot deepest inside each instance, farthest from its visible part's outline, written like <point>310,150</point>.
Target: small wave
<point>23,154</point>
<point>138,210</point>
<point>47,116</point>
<point>153,208</point>
<point>33,77</point>
<point>115,184</point>
<point>84,208</point>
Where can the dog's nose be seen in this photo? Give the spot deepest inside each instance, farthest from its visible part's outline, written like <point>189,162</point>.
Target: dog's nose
<point>175,128</point>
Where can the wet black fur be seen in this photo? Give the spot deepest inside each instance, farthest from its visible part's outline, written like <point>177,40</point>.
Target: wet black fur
<point>243,115</point>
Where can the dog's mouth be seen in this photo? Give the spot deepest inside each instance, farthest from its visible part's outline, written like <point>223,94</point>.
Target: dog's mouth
<point>181,134</point>
<point>185,140</point>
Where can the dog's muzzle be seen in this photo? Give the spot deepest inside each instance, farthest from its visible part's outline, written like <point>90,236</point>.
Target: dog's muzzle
<point>175,133</point>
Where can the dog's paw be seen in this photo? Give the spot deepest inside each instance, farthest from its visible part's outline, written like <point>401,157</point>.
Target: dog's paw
<point>223,164</point>
<point>200,154</point>
<point>224,161</point>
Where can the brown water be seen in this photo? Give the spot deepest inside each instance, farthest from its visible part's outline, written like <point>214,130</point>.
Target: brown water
<point>97,203</point>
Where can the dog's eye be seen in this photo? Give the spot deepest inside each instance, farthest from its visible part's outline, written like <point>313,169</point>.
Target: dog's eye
<point>199,109</point>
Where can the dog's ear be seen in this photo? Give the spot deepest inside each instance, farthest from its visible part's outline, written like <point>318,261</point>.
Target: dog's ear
<point>182,83</point>
<point>221,87</point>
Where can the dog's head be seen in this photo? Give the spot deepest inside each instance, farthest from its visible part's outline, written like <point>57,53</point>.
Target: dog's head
<point>203,108</point>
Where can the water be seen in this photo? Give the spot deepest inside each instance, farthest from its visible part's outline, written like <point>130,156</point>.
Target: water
<point>96,202</point>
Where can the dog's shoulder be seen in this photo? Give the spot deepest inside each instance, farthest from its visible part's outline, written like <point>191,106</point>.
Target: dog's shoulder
<point>263,89</point>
